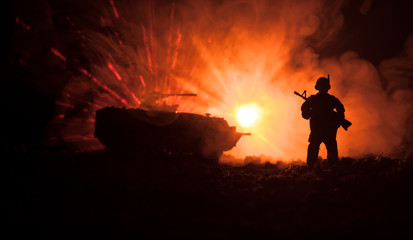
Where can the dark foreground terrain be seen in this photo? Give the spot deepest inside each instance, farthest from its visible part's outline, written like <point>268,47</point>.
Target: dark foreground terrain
<point>105,194</point>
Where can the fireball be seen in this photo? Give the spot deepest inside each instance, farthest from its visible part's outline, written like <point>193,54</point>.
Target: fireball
<point>247,115</point>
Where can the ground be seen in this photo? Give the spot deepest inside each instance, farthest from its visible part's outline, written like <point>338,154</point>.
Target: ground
<point>57,193</point>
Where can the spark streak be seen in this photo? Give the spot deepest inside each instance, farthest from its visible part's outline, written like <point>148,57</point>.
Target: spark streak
<point>114,72</point>
<point>24,25</point>
<point>58,54</point>
<point>115,11</point>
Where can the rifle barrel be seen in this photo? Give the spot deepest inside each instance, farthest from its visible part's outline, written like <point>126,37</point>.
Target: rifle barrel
<point>296,93</point>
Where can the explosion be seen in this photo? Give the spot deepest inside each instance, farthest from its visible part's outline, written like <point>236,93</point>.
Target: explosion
<point>243,59</point>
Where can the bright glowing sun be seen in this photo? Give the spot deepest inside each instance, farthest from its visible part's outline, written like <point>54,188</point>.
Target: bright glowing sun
<point>247,115</point>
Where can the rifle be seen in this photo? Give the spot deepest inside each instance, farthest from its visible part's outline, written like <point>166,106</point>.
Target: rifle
<point>303,96</point>
<point>343,122</point>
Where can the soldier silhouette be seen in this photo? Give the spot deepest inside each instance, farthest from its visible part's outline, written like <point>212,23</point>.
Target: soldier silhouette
<point>326,114</point>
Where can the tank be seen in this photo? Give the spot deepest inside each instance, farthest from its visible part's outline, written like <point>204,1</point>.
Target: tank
<point>142,131</point>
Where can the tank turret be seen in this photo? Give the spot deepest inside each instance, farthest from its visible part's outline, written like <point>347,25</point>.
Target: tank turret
<point>152,101</point>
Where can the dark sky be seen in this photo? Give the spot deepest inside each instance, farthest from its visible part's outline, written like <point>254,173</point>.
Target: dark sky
<point>377,35</point>
<point>29,106</point>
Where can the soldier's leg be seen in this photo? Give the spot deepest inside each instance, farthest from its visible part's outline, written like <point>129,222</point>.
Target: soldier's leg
<point>332,152</point>
<point>331,145</point>
<point>312,153</point>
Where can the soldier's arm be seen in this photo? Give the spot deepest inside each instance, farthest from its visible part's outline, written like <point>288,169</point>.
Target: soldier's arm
<point>339,108</point>
<point>306,109</point>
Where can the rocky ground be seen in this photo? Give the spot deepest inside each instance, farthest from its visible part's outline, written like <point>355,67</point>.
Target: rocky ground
<point>104,194</point>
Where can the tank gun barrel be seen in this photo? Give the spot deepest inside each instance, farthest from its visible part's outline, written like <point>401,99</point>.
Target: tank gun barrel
<point>180,94</point>
<point>245,134</point>
<point>158,95</point>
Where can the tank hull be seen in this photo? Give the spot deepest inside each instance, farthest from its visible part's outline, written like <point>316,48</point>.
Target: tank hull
<point>139,131</point>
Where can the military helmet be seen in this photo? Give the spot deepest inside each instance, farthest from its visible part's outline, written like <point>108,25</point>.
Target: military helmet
<point>322,84</point>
